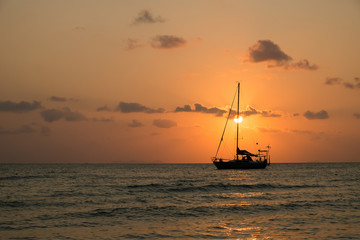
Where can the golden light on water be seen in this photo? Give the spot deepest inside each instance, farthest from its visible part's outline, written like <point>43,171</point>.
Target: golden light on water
<point>239,119</point>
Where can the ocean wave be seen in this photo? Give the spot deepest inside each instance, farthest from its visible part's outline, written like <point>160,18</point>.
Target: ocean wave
<point>17,177</point>
<point>213,187</point>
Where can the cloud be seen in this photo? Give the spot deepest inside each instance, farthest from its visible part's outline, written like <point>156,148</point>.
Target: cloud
<point>333,80</point>
<point>340,81</point>
<point>132,43</point>
<point>252,111</point>
<point>167,42</point>
<point>303,64</point>
<point>316,115</point>
<point>51,115</point>
<point>266,50</point>
<point>357,115</point>
<point>125,107</point>
<point>220,112</point>
<point>135,123</point>
<point>58,99</point>
<point>164,123</point>
<point>186,108</point>
<point>146,17</point>
<point>270,53</point>
<point>20,107</point>
<point>200,108</point>
<point>20,130</point>
<point>213,110</point>
<point>103,108</point>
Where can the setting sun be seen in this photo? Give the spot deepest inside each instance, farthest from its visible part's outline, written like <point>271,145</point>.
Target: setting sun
<point>239,119</point>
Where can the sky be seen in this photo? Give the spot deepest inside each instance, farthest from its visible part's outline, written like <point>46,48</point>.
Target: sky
<point>152,81</point>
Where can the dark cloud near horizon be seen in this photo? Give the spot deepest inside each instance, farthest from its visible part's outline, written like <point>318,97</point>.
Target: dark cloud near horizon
<point>270,53</point>
<point>264,113</point>
<point>201,109</point>
<point>20,130</point>
<point>164,123</point>
<point>357,115</point>
<point>167,42</point>
<point>52,115</point>
<point>145,16</point>
<point>126,107</point>
<point>340,81</point>
<point>21,107</point>
<point>135,123</point>
<point>316,115</point>
<point>220,112</point>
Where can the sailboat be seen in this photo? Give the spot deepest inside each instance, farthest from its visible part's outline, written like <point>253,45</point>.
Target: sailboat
<point>243,159</point>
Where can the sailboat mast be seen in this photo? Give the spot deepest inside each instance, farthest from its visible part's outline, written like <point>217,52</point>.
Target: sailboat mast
<point>237,123</point>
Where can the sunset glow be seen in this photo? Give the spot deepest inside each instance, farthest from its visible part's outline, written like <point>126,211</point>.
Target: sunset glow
<point>141,81</point>
<point>239,119</point>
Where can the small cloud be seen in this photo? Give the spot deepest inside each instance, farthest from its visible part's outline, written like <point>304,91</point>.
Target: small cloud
<point>164,123</point>
<point>167,42</point>
<point>333,80</point>
<point>316,115</point>
<point>214,110</point>
<point>186,108</point>
<point>339,81</point>
<point>20,130</point>
<point>301,65</point>
<point>357,115</point>
<point>132,43</point>
<point>103,108</point>
<point>20,107</point>
<point>270,53</point>
<point>296,114</point>
<point>266,50</point>
<point>125,107</point>
<point>135,123</point>
<point>51,115</point>
<point>58,99</point>
<point>146,17</point>
<point>349,85</point>
<point>264,113</point>
<point>201,109</point>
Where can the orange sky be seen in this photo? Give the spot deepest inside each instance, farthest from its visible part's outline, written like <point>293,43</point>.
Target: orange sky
<point>109,81</point>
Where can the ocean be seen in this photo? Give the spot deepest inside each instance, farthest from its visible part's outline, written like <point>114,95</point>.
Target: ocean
<point>179,201</point>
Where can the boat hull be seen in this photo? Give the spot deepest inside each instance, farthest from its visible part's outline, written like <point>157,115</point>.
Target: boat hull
<point>240,165</point>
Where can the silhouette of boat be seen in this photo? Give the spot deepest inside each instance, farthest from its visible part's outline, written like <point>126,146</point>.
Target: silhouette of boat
<point>243,159</point>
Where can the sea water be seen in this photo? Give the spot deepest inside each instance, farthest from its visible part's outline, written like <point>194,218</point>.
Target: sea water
<point>185,201</point>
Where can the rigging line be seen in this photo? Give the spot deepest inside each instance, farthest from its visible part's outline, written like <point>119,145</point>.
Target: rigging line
<point>222,136</point>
